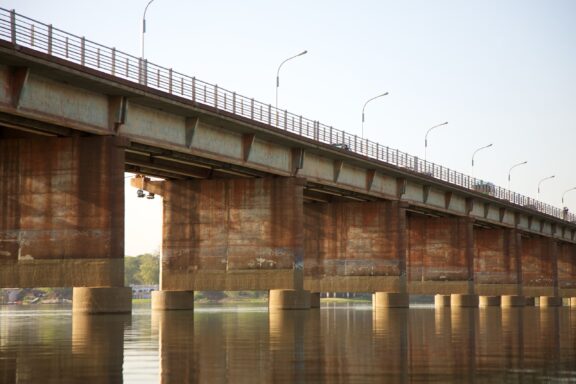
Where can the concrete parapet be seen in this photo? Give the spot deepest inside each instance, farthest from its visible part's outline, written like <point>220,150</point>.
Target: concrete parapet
<point>508,301</point>
<point>464,300</point>
<point>102,300</point>
<point>289,299</point>
<point>489,301</point>
<point>390,300</point>
<point>172,300</point>
<point>550,301</point>
<point>315,300</point>
<point>441,301</point>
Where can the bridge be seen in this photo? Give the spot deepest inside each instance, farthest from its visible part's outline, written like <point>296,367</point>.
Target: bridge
<point>255,198</point>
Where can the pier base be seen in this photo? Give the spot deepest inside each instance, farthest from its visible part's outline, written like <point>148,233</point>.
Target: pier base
<point>172,300</point>
<point>102,300</point>
<point>390,300</point>
<point>489,301</point>
<point>464,300</point>
<point>441,301</point>
<point>289,299</point>
<point>509,301</point>
<point>550,301</point>
<point>573,302</point>
<point>315,300</point>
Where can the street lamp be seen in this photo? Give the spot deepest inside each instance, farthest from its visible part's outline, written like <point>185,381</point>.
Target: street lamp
<point>474,154</point>
<point>426,137</point>
<point>144,25</point>
<point>278,72</point>
<point>565,192</point>
<point>364,107</point>
<point>511,168</point>
<point>540,182</point>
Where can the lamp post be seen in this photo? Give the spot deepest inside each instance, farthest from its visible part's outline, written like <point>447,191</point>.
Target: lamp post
<point>511,168</point>
<point>540,182</point>
<point>144,26</point>
<point>474,154</point>
<point>364,107</point>
<point>565,192</point>
<point>426,137</point>
<point>278,72</point>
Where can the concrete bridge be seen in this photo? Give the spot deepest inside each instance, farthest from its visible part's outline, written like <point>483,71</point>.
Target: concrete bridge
<point>255,198</point>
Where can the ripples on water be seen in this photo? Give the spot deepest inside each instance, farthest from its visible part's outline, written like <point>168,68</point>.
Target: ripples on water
<point>339,343</point>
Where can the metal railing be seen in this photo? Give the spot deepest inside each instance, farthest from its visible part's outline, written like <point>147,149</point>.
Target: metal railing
<point>23,31</point>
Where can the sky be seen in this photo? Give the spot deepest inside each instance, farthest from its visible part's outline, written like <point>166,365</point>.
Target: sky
<point>499,71</point>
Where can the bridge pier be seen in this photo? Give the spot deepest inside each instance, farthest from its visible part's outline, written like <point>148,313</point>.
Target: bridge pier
<point>62,224</point>
<point>231,234</point>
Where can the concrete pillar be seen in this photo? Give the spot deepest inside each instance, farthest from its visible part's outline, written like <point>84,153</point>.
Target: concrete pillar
<point>172,300</point>
<point>61,212</point>
<point>102,300</point>
<point>464,300</point>
<point>354,246</point>
<point>441,301</point>
<point>539,266</point>
<point>550,301</point>
<point>439,252</point>
<point>315,300</point>
<point>489,301</point>
<point>288,299</point>
<point>573,302</point>
<point>231,234</point>
<point>390,300</point>
<point>508,301</point>
<point>530,301</point>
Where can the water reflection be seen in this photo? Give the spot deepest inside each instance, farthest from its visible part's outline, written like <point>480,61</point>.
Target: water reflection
<point>251,345</point>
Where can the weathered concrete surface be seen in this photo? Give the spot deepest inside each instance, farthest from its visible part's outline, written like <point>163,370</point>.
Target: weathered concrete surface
<point>439,250</point>
<point>62,204</point>
<point>496,256</point>
<point>353,246</point>
<point>464,301</point>
<point>232,234</point>
<point>102,300</point>
<point>384,300</point>
<point>567,268</point>
<point>539,268</point>
<point>172,300</point>
<point>288,299</point>
<point>508,301</point>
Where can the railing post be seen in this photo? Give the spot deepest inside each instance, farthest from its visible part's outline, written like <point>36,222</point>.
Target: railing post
<point>82,51</point>
<point>300,123</point>
<point>50,39</point>
<point>234,102</point>
<point>285,119</point>
<point>170,81</point>
<point>66,49</point>
<point>98,58</point>
<point>194,89</point>
<point>216,96</point>
<point>113,58</point>
<point>252,109</point>
<point>13,26</point>
<point>269,114</point>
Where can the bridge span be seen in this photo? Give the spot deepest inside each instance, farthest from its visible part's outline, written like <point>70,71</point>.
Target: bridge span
<point>255,198</point>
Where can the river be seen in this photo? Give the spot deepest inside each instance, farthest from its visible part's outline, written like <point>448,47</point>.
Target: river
<point>339,343</point>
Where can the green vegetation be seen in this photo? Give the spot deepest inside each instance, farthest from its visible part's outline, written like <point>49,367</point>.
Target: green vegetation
<point>142,269</point>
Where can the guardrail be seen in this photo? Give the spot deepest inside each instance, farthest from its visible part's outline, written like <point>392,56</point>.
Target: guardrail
<point>23,31</point>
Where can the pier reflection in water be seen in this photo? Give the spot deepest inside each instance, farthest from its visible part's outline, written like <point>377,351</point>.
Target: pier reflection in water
<point>338,343</point>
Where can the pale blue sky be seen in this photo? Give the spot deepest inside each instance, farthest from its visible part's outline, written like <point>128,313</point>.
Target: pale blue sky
<point>500,72</point>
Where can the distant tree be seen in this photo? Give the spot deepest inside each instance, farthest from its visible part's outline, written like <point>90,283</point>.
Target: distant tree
<point>149,271</point>
<point>131,270</point>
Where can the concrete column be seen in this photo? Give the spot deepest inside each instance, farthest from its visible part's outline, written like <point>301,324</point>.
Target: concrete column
<point>172,300</point>
<point>315,300</point>
<point>231,234</point>
<point>550,301</point>
<point>102,300</point>
<point>390,300</point>
<point>441,301</point>
<point>61,212</point>
<point>573,302</point>
<point>508,301</point>
<point>464,300</point>
<point>489,301</point>
<point>288,299</point>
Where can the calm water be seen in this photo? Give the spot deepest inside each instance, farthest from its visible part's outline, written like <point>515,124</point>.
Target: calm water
<point>341,344</point>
